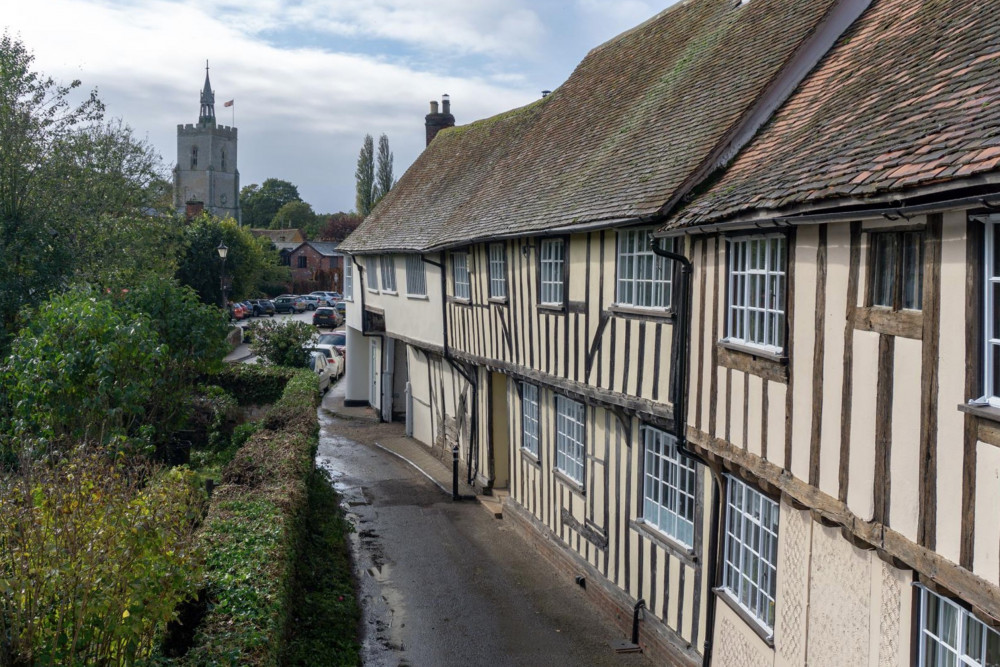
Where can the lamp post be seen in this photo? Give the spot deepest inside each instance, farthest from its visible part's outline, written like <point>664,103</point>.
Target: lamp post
<point>223,250</point>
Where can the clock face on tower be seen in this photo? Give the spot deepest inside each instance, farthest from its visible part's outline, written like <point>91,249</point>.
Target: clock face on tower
<point>222,199</point>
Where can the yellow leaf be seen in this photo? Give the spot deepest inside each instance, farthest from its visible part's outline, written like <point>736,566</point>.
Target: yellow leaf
<point>125,614</point>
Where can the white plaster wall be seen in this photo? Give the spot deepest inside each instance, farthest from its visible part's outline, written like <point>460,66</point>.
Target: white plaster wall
<point>838,261</point>
<point>356,373</point>
<point>860,491</point>
<point>839,609</point>
<point>735,644</point>
<point>951,385</point>
<point>803,343</point>
<point>413,318</point>
<point>904,463</point>
<point>986,559</point>
<point>421,392</point>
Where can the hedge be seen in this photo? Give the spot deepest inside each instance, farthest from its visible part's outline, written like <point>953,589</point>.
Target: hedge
<point>253,532</point>
<point>252,384</point>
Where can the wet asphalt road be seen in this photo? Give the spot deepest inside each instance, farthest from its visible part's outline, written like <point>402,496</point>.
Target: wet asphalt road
<point>445,583</point>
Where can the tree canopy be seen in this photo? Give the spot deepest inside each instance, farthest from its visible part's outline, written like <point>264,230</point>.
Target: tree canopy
<point>364,177</point>
<point>68,180</point>
<point>260,203</point>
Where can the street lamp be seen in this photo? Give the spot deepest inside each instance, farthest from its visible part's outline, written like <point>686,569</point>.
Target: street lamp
<point>223,250</point>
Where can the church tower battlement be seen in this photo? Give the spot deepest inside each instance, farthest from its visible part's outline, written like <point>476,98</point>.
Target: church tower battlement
<point>206,170</point>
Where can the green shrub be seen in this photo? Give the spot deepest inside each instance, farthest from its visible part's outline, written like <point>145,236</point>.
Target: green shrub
<point>281,343</point>
<point>253,534</point>
<point>252,384</point>
<point>82,370</point>
<point>96,552</point>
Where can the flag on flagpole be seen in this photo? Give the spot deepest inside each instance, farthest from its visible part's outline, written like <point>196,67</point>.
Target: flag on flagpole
<point>229,103</point>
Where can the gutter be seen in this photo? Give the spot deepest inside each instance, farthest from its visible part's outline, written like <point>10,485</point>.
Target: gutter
<point>683,329</point>
<point>889,212</point>
<point>474,421</point>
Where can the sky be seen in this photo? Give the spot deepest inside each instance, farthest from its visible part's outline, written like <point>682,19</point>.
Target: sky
<point>311,77</point>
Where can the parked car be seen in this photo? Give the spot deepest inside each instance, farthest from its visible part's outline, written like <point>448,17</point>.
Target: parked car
<point>323,370</point>
<point>237,310</point>
<point>326,317</point>
<point>341,307</point>
<point>313,302</point>
<point>324,298</point>
<point>262,307</point>
<point>338,339</point>
<point>248,308</point>
<point>333,356</point>
<point>289,304</point>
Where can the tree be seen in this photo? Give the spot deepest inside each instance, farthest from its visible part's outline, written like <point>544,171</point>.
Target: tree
<point>81,370</point>
<point>294,215</point>
<point>365,177</point>
<point>68,181</point>
<point>250,263</point>
<point>339,226</point>
<point>281,343</point>
<point>35,117</point>
<point>383,172</point>
<point>260,203</point>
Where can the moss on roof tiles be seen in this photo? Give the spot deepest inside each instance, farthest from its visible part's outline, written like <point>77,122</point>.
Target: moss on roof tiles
<point>636,118</point>
<point>909,96</point>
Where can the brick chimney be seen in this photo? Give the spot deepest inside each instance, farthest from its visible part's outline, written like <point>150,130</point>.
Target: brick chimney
<point>193,209</point>
<point>435,122</point>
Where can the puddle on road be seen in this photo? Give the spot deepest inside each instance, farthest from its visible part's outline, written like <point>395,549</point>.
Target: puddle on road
<point>382,605</point>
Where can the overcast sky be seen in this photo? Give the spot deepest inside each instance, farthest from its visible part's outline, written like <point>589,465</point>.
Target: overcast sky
<point>311,77</point>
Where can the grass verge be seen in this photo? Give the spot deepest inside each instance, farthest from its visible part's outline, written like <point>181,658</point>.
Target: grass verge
<point>326,616</point>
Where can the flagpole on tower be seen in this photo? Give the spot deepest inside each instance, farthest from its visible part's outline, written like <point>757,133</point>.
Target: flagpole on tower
<point>232,103</point>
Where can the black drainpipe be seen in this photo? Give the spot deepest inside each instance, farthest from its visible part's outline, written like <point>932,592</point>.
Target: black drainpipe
<point>473,430</point>
<point>683,330</point>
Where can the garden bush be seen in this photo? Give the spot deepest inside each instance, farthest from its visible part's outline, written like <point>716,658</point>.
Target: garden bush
<point>281,343</point>
<point>252,384</point>
<point>253,532</point>
<point>96,552</point>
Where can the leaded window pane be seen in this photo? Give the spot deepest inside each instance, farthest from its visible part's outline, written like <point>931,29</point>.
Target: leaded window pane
<point>460,275</point>
<point>498,271</point>
<point>529,417</point>
<point>669,486</point>
<point>551,265</point>
<point>751,557</point>
<point>570,438</point>
<point>416,276</point>
<point>756,308</point>
<point>388,273</point>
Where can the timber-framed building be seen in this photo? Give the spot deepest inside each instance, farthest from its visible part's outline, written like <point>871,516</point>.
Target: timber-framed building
<point>719,318</point>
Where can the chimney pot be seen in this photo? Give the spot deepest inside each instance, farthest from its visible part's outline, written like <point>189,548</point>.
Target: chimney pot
<point>445,103</point>
<point>434,106</point>
<point>435,122</point>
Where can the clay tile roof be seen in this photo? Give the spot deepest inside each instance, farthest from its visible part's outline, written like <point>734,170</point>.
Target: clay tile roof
<point>908,97</point>
<point>637,117</point>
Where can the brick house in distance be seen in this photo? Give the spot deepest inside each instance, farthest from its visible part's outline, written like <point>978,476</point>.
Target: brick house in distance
<point>317,265</point>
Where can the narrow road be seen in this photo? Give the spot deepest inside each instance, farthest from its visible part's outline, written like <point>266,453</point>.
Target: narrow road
<point>445,583</point>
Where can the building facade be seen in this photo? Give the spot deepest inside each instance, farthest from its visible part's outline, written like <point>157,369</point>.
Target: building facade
<point>782,446</point>
<point>206,162</point>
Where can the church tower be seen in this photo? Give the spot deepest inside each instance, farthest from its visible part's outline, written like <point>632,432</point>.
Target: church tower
<point>206,172</point>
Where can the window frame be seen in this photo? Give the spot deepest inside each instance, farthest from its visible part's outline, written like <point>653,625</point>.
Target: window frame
<point>629,263</point>
<point>676,478</point>
<point>387,273</point>
<point>750,584</point>
<point>302,262</point>
<point>571,445</point>
<point>371,272</point>
<point>497,262</point>
<point>557,269</point>
<point>456,269</point>
<point>990,275</point>
<point>530,420</point>
<point>962,617</point>
<point>774,313</point>
<point>879,279</point>
<point>349,278</point>
<point>416,276</point>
